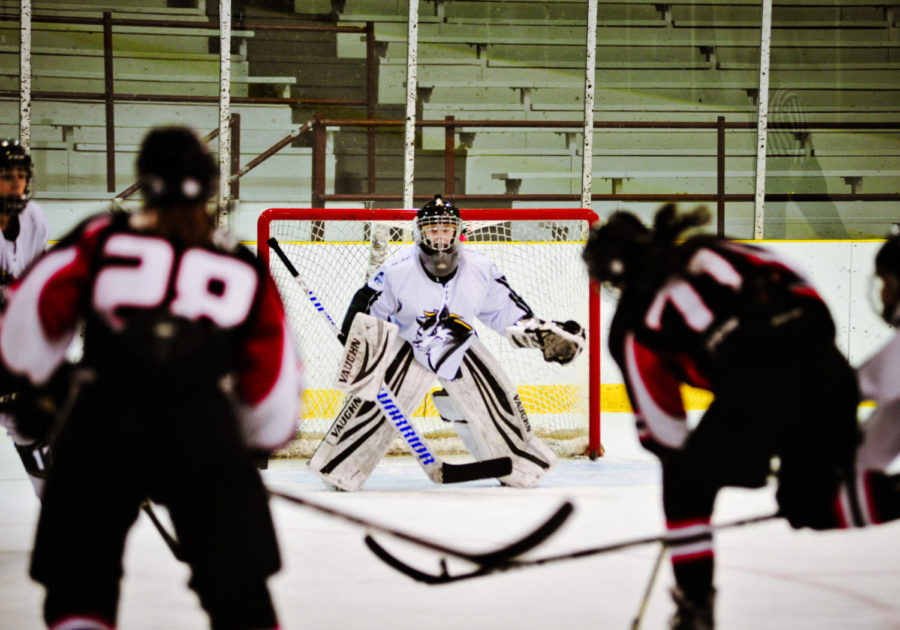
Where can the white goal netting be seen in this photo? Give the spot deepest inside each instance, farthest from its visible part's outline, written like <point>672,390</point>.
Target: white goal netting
<point>541,259</point>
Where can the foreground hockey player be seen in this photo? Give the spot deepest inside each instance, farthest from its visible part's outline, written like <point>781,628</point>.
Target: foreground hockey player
<point>25,233</point>
<point>189,370</point>
<point>434,291</point>
<point>739,321</point>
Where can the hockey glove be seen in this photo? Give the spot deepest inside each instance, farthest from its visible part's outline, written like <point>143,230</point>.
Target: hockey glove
<point>34,413</point>
<point>560,342</point>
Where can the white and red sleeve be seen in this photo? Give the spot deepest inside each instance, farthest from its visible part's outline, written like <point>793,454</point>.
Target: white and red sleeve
<point>270,378</point>
<point>39,322</point>
<point>879,376</point>
<point>656,396</point>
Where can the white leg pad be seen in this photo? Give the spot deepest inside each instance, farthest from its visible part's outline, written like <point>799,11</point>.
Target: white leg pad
<point>361,434</point>
<point>357,440</point>
<point>496,424</point>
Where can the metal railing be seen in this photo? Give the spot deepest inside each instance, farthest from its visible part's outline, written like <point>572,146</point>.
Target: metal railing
<point>319,125</point>
<point>452,126</point>
<point>109,96</point>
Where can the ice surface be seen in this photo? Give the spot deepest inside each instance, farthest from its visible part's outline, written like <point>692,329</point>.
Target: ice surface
<point>768,575</point>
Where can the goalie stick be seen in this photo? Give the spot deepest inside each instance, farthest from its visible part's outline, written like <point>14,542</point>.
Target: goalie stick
<point>486,558</point>
<point>510,563</point>
<point>437,470</point>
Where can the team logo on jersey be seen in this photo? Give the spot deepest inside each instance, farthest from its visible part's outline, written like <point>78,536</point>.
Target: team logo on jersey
<point>440,334</point>
<point>378,279</point>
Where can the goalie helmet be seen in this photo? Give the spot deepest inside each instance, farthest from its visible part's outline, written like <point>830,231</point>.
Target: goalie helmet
<point>614,249</point>
<point>886,289</point>
<point>437,231</point>
<point>175,168</point>
<point>14,164</point>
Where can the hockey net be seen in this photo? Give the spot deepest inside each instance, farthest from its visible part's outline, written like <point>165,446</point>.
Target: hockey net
<point>539,251</point>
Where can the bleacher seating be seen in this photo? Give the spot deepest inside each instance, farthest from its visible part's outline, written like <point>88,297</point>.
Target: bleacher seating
<point>69,137</point>
<point>682,60</point>
<point>687,60</point>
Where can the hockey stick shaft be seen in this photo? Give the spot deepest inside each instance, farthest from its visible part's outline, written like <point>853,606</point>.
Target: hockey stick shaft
<point>654,572</point>
<point>437,471</point>
<point>173,545</point>
<point>533,538</point>
<point>662,538</point>
<point>511,565</point>
<point>317,304</point>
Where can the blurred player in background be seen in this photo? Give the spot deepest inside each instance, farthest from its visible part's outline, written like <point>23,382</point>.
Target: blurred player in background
<point>24,226</point>
<point>879,380</point>
<point>434,291</point>
<point>25,233</point>
<point>189,370</point>
<point>741,322</point>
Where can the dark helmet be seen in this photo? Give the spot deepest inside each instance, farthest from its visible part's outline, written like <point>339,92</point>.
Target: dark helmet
<point>614,249</point>
<point>175,168</point>
<point>887,260</point>
<point>624,247</point>
<point>14,156</point>
<point>439,258</point>
<point>887,271</point>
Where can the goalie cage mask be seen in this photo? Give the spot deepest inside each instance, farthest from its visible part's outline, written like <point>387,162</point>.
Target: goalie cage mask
<point>14,157</point>
<point>886,282</point>
<point>614,249</point>
<point>175,168</point>
<point>437,231</point>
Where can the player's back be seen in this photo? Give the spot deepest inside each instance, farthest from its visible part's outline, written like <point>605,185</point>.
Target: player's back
<point>162,312</point>
<point>714,300</point>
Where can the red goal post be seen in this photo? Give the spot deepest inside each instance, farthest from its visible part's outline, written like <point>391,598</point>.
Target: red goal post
<point>539,251</point>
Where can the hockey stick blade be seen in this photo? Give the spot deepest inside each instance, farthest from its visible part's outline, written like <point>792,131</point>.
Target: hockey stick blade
<point>510,563</point>
<point>535,537</point>
<point>471,471</point>
<point>529,541</point>
<point>485,560</point>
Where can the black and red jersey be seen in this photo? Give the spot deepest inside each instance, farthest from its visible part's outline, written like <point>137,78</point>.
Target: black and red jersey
<point>159,318</point>
<point>709,303</point>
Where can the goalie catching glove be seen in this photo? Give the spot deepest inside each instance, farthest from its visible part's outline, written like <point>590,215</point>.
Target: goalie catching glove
<point>559,341</point>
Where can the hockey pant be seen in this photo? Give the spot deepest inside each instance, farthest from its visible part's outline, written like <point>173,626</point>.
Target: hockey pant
<point>798,404</point>
<point>183,450</point>
<point>495,422</point>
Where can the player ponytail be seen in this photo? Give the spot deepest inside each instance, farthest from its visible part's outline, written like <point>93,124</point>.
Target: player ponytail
<point>669,224</point>
<point>623,249</point>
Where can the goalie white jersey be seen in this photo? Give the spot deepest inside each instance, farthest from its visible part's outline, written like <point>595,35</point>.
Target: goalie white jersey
<point>437,317</point>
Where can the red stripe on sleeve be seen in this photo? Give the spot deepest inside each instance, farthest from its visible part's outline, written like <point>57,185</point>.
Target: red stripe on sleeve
<point>261,365</point>
<point>59,300</point>
<point>661,384</point>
